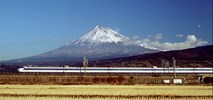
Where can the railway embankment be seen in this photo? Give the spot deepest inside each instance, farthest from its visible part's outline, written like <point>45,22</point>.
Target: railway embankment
<point>89,79</point>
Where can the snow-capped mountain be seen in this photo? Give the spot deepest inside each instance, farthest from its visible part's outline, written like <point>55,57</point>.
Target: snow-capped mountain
<point>100,43</point>
<point>100,34</point>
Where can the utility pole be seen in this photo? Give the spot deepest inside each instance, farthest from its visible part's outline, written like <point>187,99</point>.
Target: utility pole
<point>163,65</point>
<point>122,64</point>
<point>85,62</point>
<point>174,67</point>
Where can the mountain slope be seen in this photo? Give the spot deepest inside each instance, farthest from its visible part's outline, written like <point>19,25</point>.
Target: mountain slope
<point>194,57</point>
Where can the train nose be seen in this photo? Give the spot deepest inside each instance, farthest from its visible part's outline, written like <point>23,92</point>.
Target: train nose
<point>21,70</point>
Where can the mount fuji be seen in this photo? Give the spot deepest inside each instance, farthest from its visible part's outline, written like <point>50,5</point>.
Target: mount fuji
<point>100,43</point>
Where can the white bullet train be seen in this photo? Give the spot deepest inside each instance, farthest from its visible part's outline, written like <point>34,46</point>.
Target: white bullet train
<point>115,70</point>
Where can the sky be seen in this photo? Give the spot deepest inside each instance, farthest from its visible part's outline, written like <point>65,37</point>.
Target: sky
<point>31,27</point>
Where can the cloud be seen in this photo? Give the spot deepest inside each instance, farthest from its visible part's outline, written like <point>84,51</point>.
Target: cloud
<point>179,35</point>
<point>131,41</point>
<point>146,40</point>
<point>159,36</point>
<point>198,25</point>
<point>149,35</point>
<point>55,39</point>
<point>191,39</point>
<point>117,30</point>
<point>190,42</point>
<point>135,37</point>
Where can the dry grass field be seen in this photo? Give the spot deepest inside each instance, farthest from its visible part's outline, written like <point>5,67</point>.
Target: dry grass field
<point>105,92</point>
<point>65,98</point>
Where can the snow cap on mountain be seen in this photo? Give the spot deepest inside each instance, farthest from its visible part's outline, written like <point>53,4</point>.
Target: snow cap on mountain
<point>100,34</point>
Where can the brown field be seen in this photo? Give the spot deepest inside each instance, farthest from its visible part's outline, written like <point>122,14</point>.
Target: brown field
<point>105,92</point>
<point>66,86</point>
